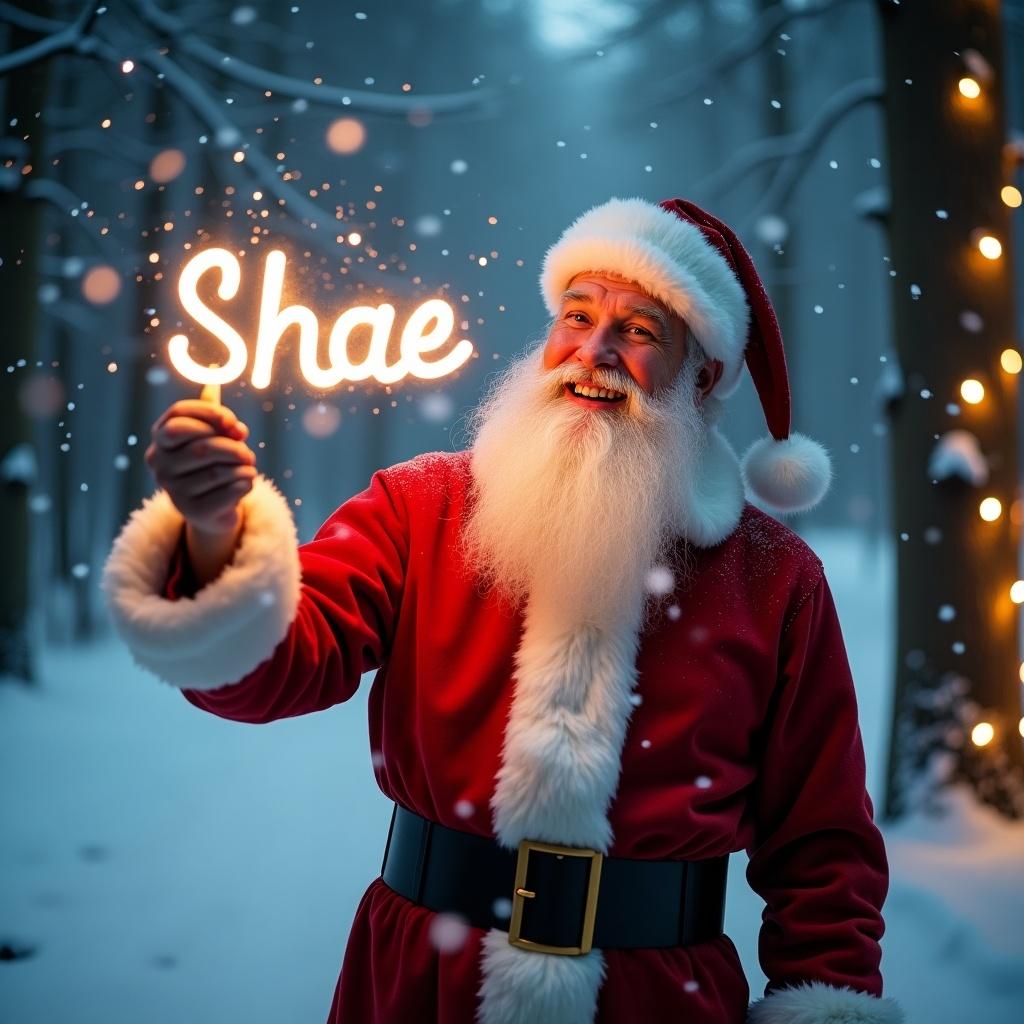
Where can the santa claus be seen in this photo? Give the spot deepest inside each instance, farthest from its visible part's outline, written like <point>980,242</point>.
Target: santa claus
<point>599,669</point>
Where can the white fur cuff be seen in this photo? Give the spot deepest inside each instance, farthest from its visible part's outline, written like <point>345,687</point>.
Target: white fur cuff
<point>814,1002</point>
<point>233,624</point>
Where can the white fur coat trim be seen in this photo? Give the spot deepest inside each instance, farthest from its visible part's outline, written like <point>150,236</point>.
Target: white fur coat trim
<point>814,1002</point>
<point>233,623</point>
<point>561,761</point>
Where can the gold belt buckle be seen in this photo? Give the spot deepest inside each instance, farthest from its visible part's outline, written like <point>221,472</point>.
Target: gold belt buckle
<point>520,894</point>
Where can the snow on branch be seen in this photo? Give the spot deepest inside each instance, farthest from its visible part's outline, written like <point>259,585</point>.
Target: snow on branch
<point>679,86</point>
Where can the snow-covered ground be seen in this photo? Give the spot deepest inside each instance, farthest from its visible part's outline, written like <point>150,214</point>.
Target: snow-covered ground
<point>165,866</point>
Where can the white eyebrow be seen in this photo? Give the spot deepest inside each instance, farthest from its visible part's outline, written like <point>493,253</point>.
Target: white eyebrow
<point>648,312</point>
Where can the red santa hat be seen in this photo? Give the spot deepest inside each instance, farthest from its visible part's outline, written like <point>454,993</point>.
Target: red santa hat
<point>695,264</point>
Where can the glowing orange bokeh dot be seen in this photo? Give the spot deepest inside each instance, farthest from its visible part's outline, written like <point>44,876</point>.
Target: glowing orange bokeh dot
<point>166,165</point>
<point>101,285</point>
<point>346,135</point>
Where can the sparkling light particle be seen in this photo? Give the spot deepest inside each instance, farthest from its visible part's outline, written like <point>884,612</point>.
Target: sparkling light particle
<point>972,391</point>
<point>1017,592</point>
<point>127,66</point>
<point>354,238</point>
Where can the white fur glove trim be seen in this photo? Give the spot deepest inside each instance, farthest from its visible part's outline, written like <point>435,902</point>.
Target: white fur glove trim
<point>814,1002</point>
<point>233,624</point>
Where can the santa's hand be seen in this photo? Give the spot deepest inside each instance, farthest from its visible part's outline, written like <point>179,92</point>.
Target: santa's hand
<point>199,457</point>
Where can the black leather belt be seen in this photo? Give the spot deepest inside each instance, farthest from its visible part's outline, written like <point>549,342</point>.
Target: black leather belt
<point>554,899</point>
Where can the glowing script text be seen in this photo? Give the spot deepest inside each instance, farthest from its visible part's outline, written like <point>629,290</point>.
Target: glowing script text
<point>429,326</point>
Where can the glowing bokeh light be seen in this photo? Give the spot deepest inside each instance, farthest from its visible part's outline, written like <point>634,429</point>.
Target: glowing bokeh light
<point>101,285</point>
<point>346,136</point>
<point>166,165</point>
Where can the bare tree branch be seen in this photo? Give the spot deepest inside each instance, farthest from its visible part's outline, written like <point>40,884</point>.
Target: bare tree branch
<point>810,137</point>
<point>647,19</point>
<point>286,85</point>
<point>29,21</point>
<point>799,143</point>
<point>114,145</point>
<point>71,37</point>
<point>65,200</point>
<point>678,86</point>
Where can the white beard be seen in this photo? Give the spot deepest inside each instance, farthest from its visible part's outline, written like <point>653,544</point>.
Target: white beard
<point>575,507</point>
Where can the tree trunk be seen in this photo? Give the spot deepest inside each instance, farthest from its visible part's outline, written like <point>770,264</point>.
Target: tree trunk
<point>24,96</point>
<point>957,629</point>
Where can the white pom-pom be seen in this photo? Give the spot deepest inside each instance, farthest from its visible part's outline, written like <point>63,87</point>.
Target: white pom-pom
<point>787,476</point>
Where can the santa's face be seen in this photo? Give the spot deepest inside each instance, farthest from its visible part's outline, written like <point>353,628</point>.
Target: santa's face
<point>606,327</point>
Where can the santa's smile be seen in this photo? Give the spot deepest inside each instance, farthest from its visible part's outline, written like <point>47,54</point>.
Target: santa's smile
<point>586,394</point>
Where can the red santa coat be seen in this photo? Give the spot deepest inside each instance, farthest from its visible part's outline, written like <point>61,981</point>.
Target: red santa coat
<point>745,737</point>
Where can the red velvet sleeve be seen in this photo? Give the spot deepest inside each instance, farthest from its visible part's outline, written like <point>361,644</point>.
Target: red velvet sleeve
<point>818,860</point>
<point>352,578</point>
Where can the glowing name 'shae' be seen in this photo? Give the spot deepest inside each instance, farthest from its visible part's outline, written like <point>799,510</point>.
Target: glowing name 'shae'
<point>428,327</point>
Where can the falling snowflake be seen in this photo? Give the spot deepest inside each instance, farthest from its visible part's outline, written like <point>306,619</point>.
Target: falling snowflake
<point>772,229</point>
<point>660,581</point>
<point>448,932</point>
<point>502,908</point>
<point>428,225</point>
<point>436,408</point>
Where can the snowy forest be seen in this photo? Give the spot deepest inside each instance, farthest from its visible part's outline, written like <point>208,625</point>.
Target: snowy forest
<point>160,865</point>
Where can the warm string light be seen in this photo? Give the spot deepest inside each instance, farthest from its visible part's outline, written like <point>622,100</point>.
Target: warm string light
<point>1010,360</point>
<point>969,88</point>
<point>990,247</point>
<point>1011,196</point>
<point>972,391</point>
<point>983,734</point>
<point>1017,592</point>
<point>990,509</point>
